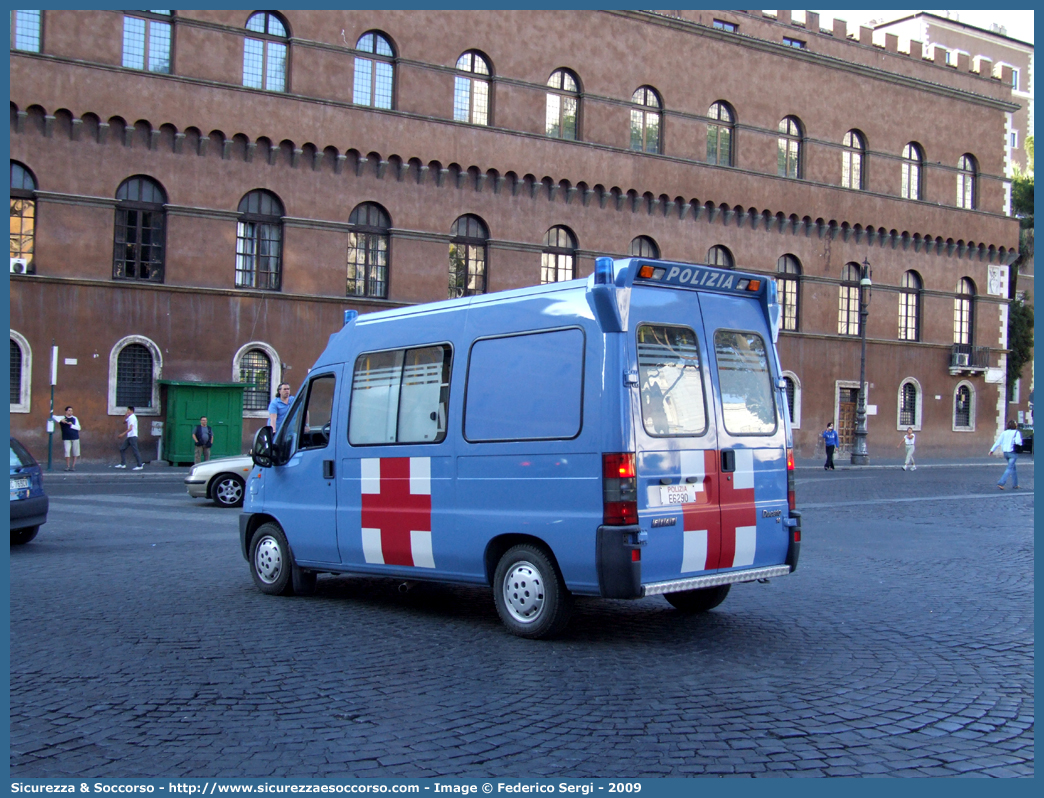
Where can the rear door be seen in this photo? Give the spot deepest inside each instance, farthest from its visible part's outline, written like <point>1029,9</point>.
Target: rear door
<point>752,456</point>
<point>675,438</point>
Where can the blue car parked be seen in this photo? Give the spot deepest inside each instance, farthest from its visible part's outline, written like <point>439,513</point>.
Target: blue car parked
<point>28,500</point>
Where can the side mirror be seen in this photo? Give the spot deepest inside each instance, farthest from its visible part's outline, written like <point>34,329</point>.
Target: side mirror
<point>262,453</point>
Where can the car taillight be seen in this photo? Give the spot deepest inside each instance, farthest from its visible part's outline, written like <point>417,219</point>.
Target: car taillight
<point>619,490</point>
<point>791,497</point>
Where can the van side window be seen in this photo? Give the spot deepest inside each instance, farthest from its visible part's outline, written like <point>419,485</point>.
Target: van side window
<point>670,380</point>
<point>525,387</point>
<point>400,396</point>
<point>318,413</point>
<point>747,402</point>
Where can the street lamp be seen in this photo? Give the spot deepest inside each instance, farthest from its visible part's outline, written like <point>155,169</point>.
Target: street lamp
<point>859,454</point>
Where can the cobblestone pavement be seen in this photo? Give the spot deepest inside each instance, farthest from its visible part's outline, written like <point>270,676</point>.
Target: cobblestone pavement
<point>902,646</point>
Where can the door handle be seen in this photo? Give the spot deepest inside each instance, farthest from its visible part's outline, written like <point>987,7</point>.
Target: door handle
<point>328,469</point>
<point>728,460</point>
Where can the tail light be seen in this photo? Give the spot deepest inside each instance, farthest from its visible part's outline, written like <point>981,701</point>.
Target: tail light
<point>619,490</point>
<point>791,497</point>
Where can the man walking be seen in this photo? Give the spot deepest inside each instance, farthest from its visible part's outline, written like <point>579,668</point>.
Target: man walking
<point>1007,442</point>
<point>130,436</point>
<point>70,425</point>
<point>280,406</point>
<point>203,437</point>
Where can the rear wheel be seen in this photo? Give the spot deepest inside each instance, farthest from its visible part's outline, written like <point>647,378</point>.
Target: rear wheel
<point>531,598</point>
<point>270,561</point>
<point>693,601</point>
<point>22,536</point>
<point>227,490</point>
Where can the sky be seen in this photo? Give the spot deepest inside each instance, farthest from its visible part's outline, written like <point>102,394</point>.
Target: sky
<point>1018,23</point>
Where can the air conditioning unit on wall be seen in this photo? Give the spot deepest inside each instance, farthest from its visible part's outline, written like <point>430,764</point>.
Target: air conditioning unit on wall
<point>961,359</point>
<point>19,265</point>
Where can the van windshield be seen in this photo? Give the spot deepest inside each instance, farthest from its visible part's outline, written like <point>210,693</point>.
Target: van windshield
<point>671,382</point>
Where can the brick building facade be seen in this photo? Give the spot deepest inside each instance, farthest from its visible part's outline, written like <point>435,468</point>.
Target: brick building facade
<point>201,195</point>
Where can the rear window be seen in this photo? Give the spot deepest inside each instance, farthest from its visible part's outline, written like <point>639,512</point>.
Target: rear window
<point>747,403</point>
<point>525,387</point>
<point>20,455</point>
<point>671,381</point>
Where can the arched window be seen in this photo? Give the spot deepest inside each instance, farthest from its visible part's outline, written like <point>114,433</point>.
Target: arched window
<point>848,301</point>
<point>719,134</point>
<point>644,247</point>
<point>259,241</point>
<point>138,249</point>
<point>135,367</point>
<point>910,307</point>
<point>913,159</point>
<point>374,72</point>
<point>21,373</point>
<point>721,256</point>
<point>368,251</point>
<point>967,171</point>
<point>471,90</point>
<point>964,312</point>
<point>563,105</point>
<point>23,219</point>
<point>258,365</point>
<point>646,116</point>
<point>793,388</point>
<point>16,372</point>
<point>146,41</point>
<point>255,369</point>
<point>964,407</point>
<point>557,263</point>
<point>790,141</point>
<point>909,405</point>
<point>788,284</point>
<point>852,157</point>
<point>467,257</point>
<point>26,27</point>
<point>134,376</point>
<point>265,58</point>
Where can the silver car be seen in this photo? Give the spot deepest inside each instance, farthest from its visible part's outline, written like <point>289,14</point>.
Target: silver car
<point>223,480</point>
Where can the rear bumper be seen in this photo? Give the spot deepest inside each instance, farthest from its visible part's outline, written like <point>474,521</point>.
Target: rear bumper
<point>29,512</point>
<point>714,580</point>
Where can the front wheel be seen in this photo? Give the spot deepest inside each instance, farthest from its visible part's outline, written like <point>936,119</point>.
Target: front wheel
<point>693,601</point>
<point>531,598</point>
<point>20,537</point>
<point>271,564</point>
<point>227,490</point>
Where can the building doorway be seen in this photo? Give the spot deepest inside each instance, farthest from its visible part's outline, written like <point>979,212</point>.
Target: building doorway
<point>847,398</point>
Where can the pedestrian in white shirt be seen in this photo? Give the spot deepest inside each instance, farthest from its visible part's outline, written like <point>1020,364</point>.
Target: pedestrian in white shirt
<point>1007,442</point>
<point>131,441</point>
<point>909,439</point>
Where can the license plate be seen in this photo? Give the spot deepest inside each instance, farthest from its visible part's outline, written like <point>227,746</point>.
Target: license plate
<point>19,483</point>
<point>677,494</point>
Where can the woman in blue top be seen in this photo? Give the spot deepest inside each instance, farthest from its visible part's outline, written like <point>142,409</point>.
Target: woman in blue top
<point>830,438</point>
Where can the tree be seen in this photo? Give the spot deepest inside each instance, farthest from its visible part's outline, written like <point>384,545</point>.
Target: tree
<point>1020,339</point>
<point>1022,198</point>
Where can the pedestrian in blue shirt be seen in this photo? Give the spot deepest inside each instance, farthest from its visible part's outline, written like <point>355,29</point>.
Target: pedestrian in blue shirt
<point>280,406</point>
<point>831,441</point>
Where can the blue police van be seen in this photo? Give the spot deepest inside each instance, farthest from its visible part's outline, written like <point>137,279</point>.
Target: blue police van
<point>620,436</point>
